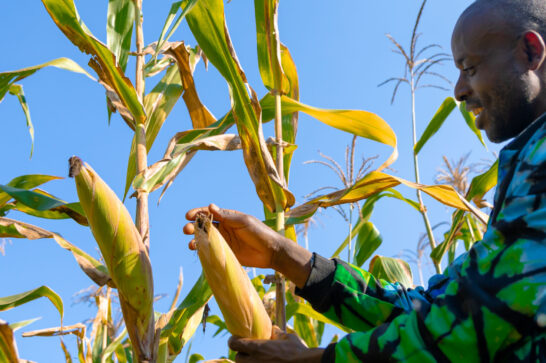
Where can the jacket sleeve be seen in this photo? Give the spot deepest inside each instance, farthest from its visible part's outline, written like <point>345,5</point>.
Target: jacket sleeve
<point>493,309</point>
<point>354,298</point>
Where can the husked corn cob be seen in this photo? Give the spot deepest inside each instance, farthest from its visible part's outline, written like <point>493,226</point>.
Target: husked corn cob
<point>124,253</point>
<point>243,310</point>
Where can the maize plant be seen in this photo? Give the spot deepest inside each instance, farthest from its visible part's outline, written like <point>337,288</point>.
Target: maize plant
<point>124,262</point>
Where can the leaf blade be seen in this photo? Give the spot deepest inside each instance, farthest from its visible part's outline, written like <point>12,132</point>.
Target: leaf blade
<point>391,269</point>
<point>119,29</point>
<point>437,121</point>
<point>119,88</point>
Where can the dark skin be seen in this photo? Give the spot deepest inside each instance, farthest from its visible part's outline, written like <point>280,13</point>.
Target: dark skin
<point>502,71</point>
<point>502,79</point>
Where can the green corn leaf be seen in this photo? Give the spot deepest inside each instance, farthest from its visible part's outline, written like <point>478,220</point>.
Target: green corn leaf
<point>178,329</point>
<point>366,212</point>
<point>305,330</point>
<point>483,183</point>
<point>269,47</point>
<point>113,346</point>
<point>119,29</point>
<point>361,123</point>
<point>441,115</point>
<point>257,282</point>
<point>41,204</point>
<point>8,347</point>
<point>391,270</point>
<point>94,269</point>
<point>12,301</point>
<point>289,121</point>
<point>479,186</point>
<point>118,87</point>
<point>195,357</point>
<point>65,211</point>
<point>207,23</point>
<point>437,121</point>
<point>158,105</point>
<point>470,120</point>
<point>7,79</point>
<point>306,309</point>
<point>367,242</point>
<point>216,320</point>
<point>17,90</point>
<point>31,198</point>
<point>184,6</point>
<point>21,324</point>
<point>123,355</point>
<point>26,182</point>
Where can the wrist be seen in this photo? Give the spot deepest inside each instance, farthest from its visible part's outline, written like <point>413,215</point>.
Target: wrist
<point>312,355</point>
<point>292,260</point>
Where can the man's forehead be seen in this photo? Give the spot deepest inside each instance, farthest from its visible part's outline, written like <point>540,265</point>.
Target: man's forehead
<point>478,28</point>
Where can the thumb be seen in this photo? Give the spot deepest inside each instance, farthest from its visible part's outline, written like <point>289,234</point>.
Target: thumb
<point>277,333</point>
<point>217,213</point>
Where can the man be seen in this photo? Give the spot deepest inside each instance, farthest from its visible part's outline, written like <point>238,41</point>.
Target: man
<point>490,304</point>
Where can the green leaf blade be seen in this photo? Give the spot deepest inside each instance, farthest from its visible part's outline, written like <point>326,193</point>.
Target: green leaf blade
<point>119,29</point>
<point>437,121</point>
<point>12,301</point>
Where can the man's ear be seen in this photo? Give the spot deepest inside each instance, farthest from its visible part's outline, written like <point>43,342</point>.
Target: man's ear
<point>535,49</point>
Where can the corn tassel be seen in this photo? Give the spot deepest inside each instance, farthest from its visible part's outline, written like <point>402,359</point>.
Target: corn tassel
<point>124,253</point>
<point>243,310</point>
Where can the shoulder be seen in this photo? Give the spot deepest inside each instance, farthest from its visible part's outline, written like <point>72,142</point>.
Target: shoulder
<point>530,174</point>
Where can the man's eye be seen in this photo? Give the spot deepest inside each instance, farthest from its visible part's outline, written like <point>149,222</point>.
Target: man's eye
<point>470,70</point>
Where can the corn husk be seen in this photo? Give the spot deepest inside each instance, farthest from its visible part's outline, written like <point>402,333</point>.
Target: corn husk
<point>241,306</point>
<point>124,253</point>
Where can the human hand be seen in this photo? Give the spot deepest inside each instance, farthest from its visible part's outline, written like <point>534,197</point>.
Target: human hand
<point>254,243</point>
<point>282,347</point>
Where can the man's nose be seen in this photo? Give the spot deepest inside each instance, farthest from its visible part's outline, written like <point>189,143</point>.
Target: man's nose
<point>462,89</point>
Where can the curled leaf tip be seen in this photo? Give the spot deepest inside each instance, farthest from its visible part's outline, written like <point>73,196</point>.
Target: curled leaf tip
<point>75,165</point>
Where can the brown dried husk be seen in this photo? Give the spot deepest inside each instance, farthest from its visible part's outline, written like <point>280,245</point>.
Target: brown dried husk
<point>241,306</point>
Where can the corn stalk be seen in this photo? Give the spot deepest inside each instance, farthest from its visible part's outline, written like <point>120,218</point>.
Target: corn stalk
<point>280,298</point>
<point>414,72</point>
<point>142,217</point>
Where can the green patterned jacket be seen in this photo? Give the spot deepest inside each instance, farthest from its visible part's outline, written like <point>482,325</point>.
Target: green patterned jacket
<point>489,305</point>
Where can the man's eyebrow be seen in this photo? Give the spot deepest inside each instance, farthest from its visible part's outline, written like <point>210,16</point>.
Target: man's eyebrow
<point>459,61</point>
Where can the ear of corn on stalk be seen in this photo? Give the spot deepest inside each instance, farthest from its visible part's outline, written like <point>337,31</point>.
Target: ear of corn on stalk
<point>243,310</point>
<point>124,253</point>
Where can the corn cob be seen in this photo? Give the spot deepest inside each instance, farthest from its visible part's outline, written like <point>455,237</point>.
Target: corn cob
<point>124,253</point>
<point>243,310</point>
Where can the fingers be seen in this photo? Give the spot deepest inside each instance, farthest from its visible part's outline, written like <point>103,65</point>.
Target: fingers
<point>218,214</point>
<point>277,333</point>
<point>244,345</point>
<point>192,245</point>
<point>192,213</point>
<point>189,229</point>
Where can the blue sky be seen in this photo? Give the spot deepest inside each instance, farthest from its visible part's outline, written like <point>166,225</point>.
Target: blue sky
<point>341,53</point>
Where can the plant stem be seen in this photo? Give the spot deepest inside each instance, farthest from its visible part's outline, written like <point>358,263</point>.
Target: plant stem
<point>416,169</point>
<point>349,258</point>
<point>280,298</point>
<point>142,217</point>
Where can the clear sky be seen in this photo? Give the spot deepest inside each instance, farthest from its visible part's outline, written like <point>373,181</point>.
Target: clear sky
<point>341,53</point>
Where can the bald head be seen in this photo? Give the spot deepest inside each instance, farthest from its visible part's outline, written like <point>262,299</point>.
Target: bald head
<point>520,15</point>
<point>499,48</point>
